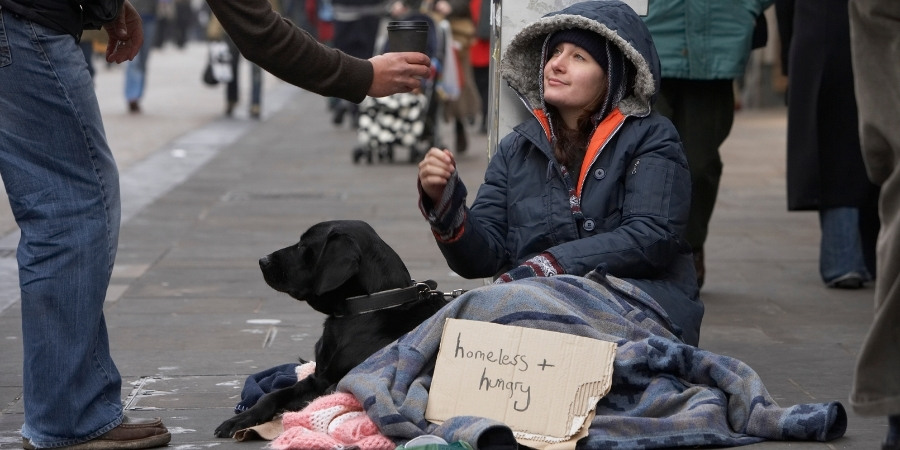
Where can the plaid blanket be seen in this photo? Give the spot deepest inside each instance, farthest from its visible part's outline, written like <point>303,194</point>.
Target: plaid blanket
<point>664,393</point>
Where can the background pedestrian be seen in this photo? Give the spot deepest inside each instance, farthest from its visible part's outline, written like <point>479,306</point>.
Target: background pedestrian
<point>825,170</point>
<point>875,47</point>
<point>703,47</point>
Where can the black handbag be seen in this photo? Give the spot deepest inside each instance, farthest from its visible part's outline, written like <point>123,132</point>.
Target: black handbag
<point>760,32</point>
<point>208,77</point>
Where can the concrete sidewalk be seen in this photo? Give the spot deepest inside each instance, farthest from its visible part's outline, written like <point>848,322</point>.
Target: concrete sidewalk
<point>190,316</point>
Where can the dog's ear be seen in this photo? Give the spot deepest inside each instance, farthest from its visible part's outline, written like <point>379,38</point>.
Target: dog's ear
<point>338,263</point>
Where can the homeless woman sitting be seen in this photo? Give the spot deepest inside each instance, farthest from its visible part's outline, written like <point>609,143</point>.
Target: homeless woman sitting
<point>595,179</point>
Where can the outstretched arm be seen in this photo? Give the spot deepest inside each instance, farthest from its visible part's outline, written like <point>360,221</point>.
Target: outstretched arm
<point>290,53</point>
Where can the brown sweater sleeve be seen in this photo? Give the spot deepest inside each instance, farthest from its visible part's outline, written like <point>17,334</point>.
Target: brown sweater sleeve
<point>290,53</point>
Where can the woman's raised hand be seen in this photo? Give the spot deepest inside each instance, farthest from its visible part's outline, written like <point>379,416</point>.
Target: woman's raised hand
<point>434,171</point>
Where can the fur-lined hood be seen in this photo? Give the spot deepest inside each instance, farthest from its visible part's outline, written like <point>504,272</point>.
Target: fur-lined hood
<point>522,62</point>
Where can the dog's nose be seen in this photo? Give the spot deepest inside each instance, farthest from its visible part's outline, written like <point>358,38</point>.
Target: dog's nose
<point>265,261</point>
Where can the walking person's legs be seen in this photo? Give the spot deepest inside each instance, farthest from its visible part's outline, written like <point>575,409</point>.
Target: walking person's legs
<point>256,80</point>
<point>703,113</point>
<point>232,89</point>
<point>136,70</point>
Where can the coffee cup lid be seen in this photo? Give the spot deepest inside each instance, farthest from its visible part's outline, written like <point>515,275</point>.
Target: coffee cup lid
<point>407,25</point>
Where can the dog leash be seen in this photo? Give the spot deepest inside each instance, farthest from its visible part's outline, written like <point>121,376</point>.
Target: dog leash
<point>393,298</point>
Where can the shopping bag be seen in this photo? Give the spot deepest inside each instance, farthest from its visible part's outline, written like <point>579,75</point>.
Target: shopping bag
<point>218,68</point>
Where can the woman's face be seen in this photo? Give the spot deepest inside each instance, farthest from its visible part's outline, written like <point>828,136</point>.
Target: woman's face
<point>573,81</point>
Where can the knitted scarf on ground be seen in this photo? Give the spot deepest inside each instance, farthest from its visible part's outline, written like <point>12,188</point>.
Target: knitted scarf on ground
<point>331,422</point>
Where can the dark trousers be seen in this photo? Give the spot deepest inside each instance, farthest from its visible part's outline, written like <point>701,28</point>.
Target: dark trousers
<point>702,112</point>
<point>232,89</point>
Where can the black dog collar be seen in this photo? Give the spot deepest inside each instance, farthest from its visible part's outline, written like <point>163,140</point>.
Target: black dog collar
<point>392,298</point>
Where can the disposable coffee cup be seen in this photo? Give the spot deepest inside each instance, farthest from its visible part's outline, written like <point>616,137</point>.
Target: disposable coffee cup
<point>407,36</point>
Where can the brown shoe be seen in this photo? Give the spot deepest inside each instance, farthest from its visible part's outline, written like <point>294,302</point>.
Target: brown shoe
<point>131,434</point>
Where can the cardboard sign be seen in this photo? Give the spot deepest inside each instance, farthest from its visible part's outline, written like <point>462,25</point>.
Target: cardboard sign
<point>544,385</point>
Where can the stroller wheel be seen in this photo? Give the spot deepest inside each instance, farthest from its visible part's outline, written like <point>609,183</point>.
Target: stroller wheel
<point>385,153</point>
<point>359,153</point>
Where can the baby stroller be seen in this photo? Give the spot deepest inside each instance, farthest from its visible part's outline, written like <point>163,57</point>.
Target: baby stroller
<point>406,120</point>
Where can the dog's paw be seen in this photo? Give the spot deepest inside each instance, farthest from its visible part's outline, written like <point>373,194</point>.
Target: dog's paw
<point>232,425</point>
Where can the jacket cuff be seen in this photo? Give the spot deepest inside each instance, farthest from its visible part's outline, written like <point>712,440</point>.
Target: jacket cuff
<point>545,265</point>
<point>449,214</point>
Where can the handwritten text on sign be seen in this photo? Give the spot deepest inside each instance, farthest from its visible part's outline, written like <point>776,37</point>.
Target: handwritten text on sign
<point>535,381</point>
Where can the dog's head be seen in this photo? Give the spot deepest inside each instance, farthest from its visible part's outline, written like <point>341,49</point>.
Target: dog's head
<point>335,260</point>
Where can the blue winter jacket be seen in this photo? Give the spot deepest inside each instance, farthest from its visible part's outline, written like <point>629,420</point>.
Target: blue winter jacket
<point>624,214</point>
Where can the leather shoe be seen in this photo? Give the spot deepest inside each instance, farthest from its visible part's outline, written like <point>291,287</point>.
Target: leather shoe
<point>131,434</point>
<point>134,107</point>
<point>892,442</point>
<point>852,280</point>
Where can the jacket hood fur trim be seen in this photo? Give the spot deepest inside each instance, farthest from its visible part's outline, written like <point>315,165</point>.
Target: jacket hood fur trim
<point>613,20</point>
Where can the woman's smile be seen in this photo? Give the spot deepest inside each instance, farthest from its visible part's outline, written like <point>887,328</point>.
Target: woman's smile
<point>553,81</point>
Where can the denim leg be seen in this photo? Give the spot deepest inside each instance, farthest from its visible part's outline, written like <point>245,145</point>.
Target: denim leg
<point>136,70</point>
<point>63,188</point>
<point>134,80</point>
<point>88,49</point>
<point>841,246</point>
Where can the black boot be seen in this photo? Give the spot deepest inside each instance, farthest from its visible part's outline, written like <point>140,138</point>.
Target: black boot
<point>700,267</point>
<point>892,441</point>
<point>462,140</point>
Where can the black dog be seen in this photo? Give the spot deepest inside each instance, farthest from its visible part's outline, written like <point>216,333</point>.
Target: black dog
<point>344,270</point>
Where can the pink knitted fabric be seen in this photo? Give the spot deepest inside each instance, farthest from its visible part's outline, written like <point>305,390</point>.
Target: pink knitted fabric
<point>306,369</point>
<point>330,422</point>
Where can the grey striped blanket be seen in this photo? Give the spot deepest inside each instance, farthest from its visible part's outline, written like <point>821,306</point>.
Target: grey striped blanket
<point>664,393</point>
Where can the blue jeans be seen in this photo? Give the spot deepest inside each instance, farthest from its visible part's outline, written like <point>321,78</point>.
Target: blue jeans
<point>136,71</point>
<point>841,249</point>
<point>63,187</point>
